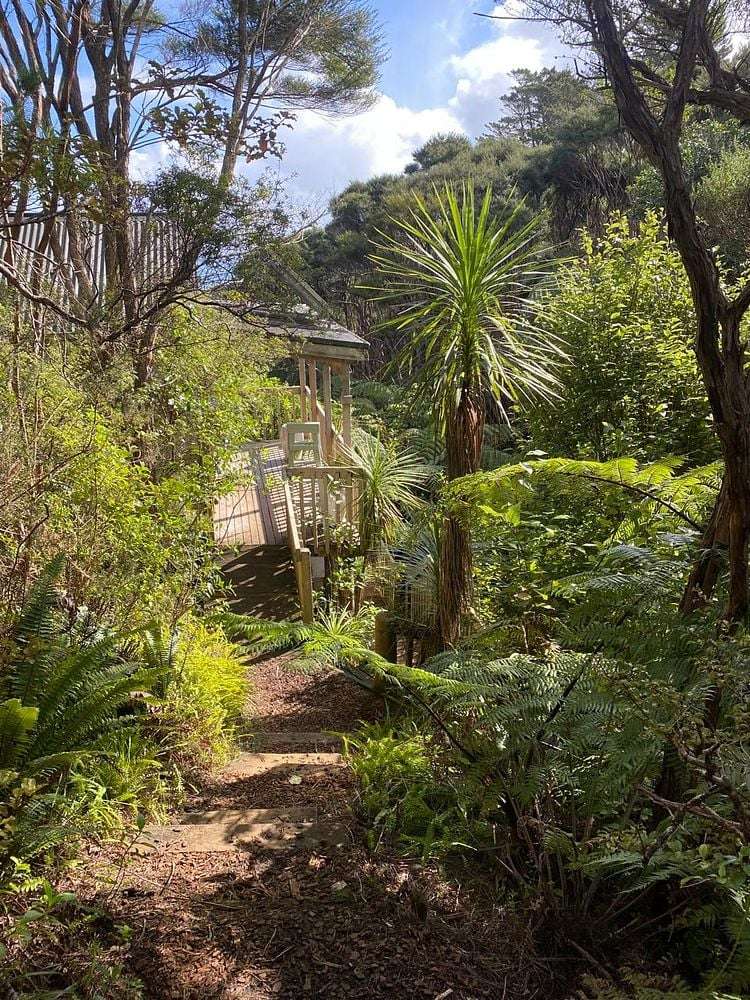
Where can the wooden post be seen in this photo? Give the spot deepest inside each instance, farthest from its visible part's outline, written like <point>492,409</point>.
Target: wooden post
<point>346,405</point>
<point>302,391</point>
<point>328,410</point>
<point>303,533</point>
<point>314,506</point>
<point>386,640</point>
<point>305,585</point>
<point>312,370</point>
<point>325,504</point>
<point>349,494</point>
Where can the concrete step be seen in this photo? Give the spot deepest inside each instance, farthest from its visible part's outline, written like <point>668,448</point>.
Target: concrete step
<point>229,830</point>
<point>308,741</point>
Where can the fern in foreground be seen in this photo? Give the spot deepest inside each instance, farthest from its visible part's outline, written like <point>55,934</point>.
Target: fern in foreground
<point>61,693</point>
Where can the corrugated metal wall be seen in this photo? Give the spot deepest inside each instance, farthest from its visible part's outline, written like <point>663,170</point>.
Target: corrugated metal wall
<point>40,252</point>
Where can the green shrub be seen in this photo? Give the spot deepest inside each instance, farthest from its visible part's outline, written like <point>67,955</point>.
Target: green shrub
<point>203,698</point>
<point>723,201</point>
<point>407,790</point>
<point>121,481</point>
<point>129,775</point>
<point>632,386</point>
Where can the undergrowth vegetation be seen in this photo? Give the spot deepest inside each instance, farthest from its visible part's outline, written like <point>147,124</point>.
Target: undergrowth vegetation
<point>100,728</point>
<point>115,691</point>
<point>547,576</point>
<point>584,742</point>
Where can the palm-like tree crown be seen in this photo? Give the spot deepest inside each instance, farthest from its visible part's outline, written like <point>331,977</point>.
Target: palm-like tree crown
<point>462,282</point>
<point>391,482</point>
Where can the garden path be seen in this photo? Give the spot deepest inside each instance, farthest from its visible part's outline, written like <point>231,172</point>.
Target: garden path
<point>276,896</point>
<point>264,887</point>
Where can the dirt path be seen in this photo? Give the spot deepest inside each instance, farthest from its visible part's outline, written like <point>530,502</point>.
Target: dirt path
<point>264,889</point>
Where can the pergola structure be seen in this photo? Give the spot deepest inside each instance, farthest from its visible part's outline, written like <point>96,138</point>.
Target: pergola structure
<point>304,487</point>
<point>325,348</point>
<point>327,351</point>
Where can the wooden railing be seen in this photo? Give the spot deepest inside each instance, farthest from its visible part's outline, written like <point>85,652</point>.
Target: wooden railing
<point>323,496</point>
<point>327,498</point>
<point>334,445</point>
<point>301,558</point>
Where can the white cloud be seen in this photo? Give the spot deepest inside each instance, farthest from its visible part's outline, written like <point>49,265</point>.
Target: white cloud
<point>146,162</point>
<point>326,153</point>
<point>483,74</point>
<point>497,58</point>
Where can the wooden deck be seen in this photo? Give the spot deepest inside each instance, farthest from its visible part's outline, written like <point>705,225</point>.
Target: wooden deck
<point>253,515</point>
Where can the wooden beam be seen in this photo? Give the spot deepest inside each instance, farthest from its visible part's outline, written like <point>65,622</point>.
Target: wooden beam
<point>302,390</point>
<point>328,413</point>
<point>346,405</point>
<point>312,381</point>
<point>322,352</point>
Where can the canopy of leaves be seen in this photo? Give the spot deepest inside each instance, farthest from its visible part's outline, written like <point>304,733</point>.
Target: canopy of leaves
<point>631,387</point>
<point>461,288</point>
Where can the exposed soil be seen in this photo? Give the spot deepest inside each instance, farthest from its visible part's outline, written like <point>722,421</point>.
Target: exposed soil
<point>285,699</point>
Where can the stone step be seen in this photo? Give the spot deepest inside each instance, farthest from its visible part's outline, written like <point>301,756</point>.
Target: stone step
<point>227,830</point>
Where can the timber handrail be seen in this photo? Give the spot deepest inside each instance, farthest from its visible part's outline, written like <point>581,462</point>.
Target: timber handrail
<point>315,471</point>
<point>301,557</point>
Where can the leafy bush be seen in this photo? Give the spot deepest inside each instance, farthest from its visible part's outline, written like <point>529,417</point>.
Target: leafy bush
<point>589,778</point>
<point>605,774</point>
<point>632,387</point>
<point>64,689</point>
<point>203,697</point>
<point>404,793</point>
<point>542,520</point>
<point>390,483</point>
<point>121,481</point>
<point>723,201</point>
<point>128,776</point>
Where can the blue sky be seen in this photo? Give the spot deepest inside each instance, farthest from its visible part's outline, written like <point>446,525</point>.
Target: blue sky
<point>445,71</point>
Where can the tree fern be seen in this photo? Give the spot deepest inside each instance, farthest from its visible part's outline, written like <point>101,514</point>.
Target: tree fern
<point>336,638</point>
<point>655,486</point>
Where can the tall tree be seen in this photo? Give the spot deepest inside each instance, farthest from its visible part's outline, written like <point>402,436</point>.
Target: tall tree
<point>88,85</point>
<point>659,57</point>
<point>541,104</point>
<point>459,280</point>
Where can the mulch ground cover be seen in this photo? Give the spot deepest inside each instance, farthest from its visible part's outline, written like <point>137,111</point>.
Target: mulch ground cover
<point>306,923</point>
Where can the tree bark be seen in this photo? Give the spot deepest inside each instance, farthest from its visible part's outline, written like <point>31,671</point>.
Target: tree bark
<point>713,548</point>
<point>464,435</point>
<point>719,347</point>
<point>455,579</point>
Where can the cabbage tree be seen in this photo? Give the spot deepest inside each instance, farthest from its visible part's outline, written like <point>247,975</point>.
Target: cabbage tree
<point>391,481</point>
<point>460,282</point>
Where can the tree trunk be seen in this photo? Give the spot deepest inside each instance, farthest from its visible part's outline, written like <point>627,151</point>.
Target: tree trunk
<point>737,478</point>
<point>455,579</point>
<point>719,346</point>
<point>464,434</point>
<point>714,545</point>
<point>728,528</point>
